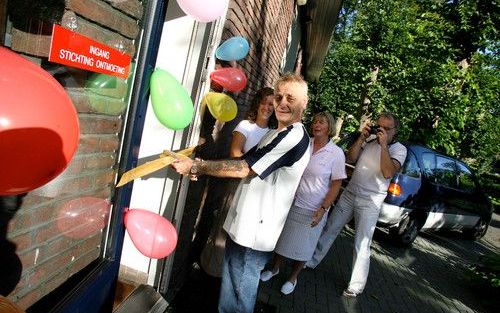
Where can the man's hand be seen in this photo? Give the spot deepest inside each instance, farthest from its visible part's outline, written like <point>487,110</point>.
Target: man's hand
<point>317,216</point>
<point>183,166</point>
<point>382,137</point>
<point>365,131</point>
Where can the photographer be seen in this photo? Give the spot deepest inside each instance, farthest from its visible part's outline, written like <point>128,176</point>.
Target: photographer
<point>377,159</point>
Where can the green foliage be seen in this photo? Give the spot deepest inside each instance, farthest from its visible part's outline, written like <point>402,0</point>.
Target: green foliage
<point>438,71</point>
<point>487,271</point>
<point>490,184</point>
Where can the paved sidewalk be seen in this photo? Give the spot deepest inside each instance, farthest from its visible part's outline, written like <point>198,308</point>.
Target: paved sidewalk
<point>428,277</point>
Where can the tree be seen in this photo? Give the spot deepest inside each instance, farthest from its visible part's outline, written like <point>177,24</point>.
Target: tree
<point>436,65</point>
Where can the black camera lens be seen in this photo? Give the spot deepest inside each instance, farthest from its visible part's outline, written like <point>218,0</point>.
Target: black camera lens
<point>374,129</point>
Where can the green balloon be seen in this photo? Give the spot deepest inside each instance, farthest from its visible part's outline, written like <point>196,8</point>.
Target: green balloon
<point>171,102</point>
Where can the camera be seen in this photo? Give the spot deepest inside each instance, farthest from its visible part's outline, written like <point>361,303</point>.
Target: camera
<point>374,129</point>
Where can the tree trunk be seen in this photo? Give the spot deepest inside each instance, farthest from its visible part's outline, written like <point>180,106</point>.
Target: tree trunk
<point>338,126</point>
<point>365,111</point>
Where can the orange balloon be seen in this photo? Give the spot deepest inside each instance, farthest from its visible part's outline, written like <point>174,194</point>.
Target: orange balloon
<point>152,234</point>
<point>8,306</point>
<point>39,130</point>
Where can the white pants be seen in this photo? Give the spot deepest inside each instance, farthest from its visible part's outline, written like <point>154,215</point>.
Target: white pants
<point>366,211</point>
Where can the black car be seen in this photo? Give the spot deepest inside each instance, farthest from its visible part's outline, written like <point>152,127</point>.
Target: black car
<point>433,191</point>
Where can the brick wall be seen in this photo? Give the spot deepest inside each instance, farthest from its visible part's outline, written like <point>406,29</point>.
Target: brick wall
<point>265,24</point>
<point>48,255</point>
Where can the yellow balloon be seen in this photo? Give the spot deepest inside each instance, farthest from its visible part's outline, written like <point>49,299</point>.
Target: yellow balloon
<point>221,106</point>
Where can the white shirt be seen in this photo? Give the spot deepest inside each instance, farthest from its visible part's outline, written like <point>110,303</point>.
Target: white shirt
<point>261,204</point>
<point>367,177</point>
<point>252,133</point>
<point>326,164</point>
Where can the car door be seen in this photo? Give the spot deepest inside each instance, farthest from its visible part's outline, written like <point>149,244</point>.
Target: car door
<point>440,190</point>
<point>469,202</point>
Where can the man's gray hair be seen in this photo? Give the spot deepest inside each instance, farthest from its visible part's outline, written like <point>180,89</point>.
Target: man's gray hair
<point>392,116</point>
<point>292,78</point>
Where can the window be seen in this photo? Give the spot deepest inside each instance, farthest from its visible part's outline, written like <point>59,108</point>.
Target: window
<point>410,167</point>
<point>465,178</point>
<point>445,172</point>
<point>429,162</point>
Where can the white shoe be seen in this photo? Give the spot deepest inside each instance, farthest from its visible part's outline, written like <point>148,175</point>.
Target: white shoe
<point>348,293</point>
<point>267,275</point>
<point>288,287</point>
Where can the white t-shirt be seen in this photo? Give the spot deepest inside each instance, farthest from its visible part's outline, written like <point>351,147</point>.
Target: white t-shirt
<point>252,132</point>
<point>367,177</point>
<point>261,204</point>
<point>325,165</point>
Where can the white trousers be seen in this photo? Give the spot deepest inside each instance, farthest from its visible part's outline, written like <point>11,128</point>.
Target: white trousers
<point>365,211</point>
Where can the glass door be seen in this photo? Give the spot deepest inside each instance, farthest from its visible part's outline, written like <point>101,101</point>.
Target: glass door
<point>73,95</point>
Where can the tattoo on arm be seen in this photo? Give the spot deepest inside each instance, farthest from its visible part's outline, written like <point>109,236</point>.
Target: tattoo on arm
<point>226,168</point>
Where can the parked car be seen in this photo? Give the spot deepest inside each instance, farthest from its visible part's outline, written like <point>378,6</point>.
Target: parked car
<point>433,191</point>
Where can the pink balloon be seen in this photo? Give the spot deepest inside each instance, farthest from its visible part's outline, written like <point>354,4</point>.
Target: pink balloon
<point>232,79</point>
<point>203,10</point>
<point>83,217</point>
<point>152,234</point>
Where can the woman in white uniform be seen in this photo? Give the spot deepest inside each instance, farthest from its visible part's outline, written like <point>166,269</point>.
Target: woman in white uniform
<point>318,189</point>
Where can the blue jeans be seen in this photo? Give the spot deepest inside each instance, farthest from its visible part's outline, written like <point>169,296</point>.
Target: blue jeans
<point>240,278</point>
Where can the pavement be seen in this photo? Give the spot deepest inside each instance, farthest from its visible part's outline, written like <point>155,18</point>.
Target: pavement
<point>430,276</point>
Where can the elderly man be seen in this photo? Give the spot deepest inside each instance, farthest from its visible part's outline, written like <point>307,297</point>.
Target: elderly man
<point>378,158</point>
<point>271,172</point>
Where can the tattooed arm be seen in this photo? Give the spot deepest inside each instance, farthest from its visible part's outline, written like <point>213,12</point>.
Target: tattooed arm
<point>219,168</point>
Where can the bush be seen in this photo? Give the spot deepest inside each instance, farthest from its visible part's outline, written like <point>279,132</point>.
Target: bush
<point>491,186</point>
<point>487,272</point>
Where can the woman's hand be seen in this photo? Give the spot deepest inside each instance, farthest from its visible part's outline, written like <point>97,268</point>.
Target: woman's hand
<point>317,216</point>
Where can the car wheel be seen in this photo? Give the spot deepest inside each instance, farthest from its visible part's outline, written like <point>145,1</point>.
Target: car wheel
<point>406,232</point>
<point>478,231</point>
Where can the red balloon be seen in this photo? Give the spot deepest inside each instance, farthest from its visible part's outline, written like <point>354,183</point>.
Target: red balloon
<point>39,128</point>
<point>83,217</point>
<point>152,234</point>
<point>232,79</point>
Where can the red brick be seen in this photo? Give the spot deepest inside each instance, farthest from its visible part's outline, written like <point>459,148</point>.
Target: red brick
<point>131,7</point>
<point>104,179</point>
<point>22,241</point>
<point>33,44</point>
<point>93,143</point>
<point>27,259</point>
<point>104,14</point>
<point>46,233</point>
<point>99,125</point>
<point>100,162</point>
<point>26,219</point>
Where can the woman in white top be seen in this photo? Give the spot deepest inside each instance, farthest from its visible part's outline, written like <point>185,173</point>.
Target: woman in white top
<point>318,189</point>
<point>259,118</point>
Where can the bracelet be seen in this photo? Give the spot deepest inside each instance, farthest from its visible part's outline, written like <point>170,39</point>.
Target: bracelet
<point>195,168</point>
<point>325,209</point>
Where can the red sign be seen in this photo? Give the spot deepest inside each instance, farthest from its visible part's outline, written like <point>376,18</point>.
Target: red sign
<point>72,49</point>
